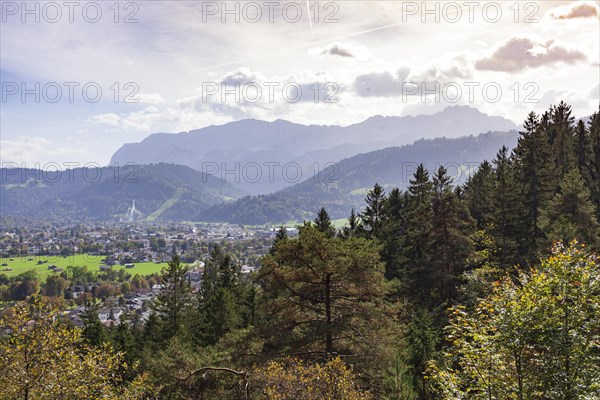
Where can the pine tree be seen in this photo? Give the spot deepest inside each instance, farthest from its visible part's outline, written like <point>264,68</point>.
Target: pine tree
<point>279,236</point>
<point>415,258</point>
<point>478,194</point>
<point>561,133</point>
<point>323,223</point>
<point>372,216</point>
<point>222,299</point>
<point>449,243</point>
<point>594,138</point>
<point>93,330</point>
<point>570,214</point>
<point>534,172</point>
<point>174,298</point>
<point>505,229</point>
<point>393,230</point>
<point>353,228</point>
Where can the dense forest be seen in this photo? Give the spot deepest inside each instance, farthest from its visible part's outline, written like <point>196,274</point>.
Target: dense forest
<point>487,290</point>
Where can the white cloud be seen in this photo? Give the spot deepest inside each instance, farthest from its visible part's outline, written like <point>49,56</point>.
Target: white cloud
<point>30,150</point>
<point>519,53</point>
<point>577,9</point>
<point>149,98</point>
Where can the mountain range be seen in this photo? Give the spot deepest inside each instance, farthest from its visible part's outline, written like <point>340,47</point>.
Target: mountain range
<point>239,147</point>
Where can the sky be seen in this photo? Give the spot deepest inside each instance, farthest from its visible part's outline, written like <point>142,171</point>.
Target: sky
<point>79,79</point>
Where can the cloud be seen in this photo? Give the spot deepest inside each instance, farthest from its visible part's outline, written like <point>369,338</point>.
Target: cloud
<point>518,54</point>
<point>345,50</point>
<point>578,9</point>
<point>108,119</point>
<point>29,150</point>
<point>381,84</point>
<point>149,98</point>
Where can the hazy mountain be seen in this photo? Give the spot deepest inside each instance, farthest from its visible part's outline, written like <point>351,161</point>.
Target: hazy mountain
<point>345,184</point>
<point>160,191</point>
<point>243,145</point>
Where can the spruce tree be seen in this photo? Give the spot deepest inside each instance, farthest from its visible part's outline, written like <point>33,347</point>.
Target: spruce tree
<point>353,228</point>
<point>506,222</point>
<point>174,298</point>
<point>415,259</point>
<point>449,243</point>
<point>323,223</point>
<point>372,216</point>
<point>570,214</point>
<point>534,174</point>
<point>478,194</point>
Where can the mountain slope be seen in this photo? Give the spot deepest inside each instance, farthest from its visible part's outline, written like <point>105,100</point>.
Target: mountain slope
<point>163,191</point>
<point>233,146</point>
<point>344,185</point>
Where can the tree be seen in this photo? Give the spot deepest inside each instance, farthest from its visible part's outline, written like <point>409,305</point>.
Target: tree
<point>506,221</point>
<point>353,228</point>
<point>42,358</point>
<point>372,216</point>
<point>570,215</point>
<point>93,330</point>
<point>323,223</point>
<point>534,338</point>
<point>535,170</point>
<point>478,195</point>
<point>449,242</point>
<point>415,257</point>
<point>279,236</point>
<point>221,302</point>
<point>393,229</point>
<point>324,296</point>
<point>174,297</point>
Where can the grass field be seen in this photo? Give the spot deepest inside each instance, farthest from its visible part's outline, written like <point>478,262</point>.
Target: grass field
<point>18,265</point>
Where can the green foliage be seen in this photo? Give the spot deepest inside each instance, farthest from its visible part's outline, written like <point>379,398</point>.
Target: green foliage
<point>534,338</point>
<point>325,296</point>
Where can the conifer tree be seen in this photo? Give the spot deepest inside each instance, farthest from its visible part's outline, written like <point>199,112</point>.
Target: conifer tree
<point>323,223</point>
<point>478,195</point>
<point>353,228</point>
<point>534,174</point>
<point>449,243</point>
<point>415,260</point>
<point>174,298</point>
<point>372,216</point>
<point>570,214</point>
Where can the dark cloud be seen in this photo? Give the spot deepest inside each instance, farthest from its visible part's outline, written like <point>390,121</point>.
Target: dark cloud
<point>520,53</point>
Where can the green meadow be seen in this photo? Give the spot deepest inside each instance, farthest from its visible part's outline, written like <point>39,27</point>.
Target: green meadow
<point>17,265</point>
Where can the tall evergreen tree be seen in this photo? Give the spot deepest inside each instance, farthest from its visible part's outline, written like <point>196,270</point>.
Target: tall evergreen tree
<point>570,214</point>
<point>353,228</point>
<point>415,259</point>
<point>393,230</point>
<point>505,229</point>
<point>323,223</point>
<point>175,297</point>
<point>594,138</point>
<point>280,235</point>
<point>561,134</point>
<point>222,299</point>
<point>449,243</point>
<point>478,194</point>
<point>372,216</point>
<point>534,173</point>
